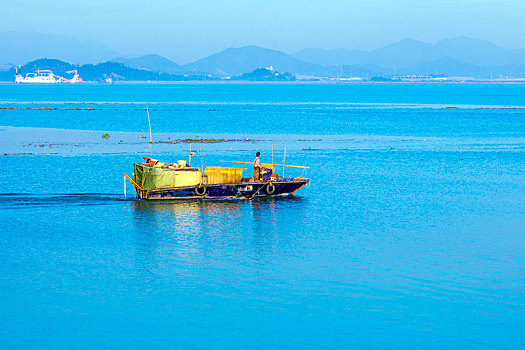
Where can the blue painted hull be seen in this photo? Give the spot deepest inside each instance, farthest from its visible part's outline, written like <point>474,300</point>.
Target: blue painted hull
<point>228,190</point>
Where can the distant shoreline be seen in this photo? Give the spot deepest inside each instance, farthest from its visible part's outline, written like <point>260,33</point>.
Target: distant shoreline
<point>215,82</point>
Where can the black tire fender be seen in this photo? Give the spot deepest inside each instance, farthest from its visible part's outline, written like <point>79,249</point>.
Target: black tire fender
<point>270,188</point>
<point>199,190</point>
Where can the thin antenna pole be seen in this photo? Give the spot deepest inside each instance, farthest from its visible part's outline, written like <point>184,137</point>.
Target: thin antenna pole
<point>202,164</point>
<point>149,123</point>
<point>190,156</point>
<point>284,160</point>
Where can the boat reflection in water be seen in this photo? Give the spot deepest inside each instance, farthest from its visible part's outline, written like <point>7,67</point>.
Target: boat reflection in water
<point>190,230</point>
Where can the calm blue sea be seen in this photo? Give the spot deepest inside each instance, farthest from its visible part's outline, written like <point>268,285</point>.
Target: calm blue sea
<point>411,235</point>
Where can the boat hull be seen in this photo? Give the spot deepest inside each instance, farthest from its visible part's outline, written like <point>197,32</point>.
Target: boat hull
<point>225,190</point>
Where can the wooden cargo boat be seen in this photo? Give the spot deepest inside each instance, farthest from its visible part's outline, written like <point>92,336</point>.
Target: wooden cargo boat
<point>155,180</point>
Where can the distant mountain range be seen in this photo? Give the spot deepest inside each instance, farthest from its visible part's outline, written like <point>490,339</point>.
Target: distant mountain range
<point>409,52</point>
<point>451,57</point>
<point>228,63</point>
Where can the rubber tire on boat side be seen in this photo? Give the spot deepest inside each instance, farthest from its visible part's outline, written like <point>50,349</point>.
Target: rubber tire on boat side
<point>270,188</point>
<point>199,192</point>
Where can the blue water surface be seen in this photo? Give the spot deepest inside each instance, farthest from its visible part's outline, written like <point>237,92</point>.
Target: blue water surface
<point>411,235</point>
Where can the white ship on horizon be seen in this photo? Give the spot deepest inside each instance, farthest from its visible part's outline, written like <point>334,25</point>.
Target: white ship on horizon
<point>46,76</point>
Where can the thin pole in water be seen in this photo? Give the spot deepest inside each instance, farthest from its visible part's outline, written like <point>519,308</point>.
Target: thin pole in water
<point>149,123</point>
<point>124,187</point>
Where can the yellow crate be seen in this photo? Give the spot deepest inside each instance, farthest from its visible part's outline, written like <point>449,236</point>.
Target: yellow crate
<point>187,177</point>
<point>219,174</point>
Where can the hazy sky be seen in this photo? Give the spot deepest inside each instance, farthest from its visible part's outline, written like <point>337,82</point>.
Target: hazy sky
<point>186,30</point>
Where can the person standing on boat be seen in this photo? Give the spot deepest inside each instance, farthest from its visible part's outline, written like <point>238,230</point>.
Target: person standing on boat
<point>257,167</point>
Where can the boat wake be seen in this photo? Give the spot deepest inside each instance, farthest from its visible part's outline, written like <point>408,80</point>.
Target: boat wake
<point>26,200</point>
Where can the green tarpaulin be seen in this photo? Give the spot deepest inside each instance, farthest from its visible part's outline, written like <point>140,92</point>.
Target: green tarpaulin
<point>150,178</point>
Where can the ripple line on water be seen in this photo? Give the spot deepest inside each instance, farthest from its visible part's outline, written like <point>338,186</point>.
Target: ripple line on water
<point>253,103</point>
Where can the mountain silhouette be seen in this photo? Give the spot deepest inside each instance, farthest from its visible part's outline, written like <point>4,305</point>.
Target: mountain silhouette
<point>408,52</point>
<point>236,61</point>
